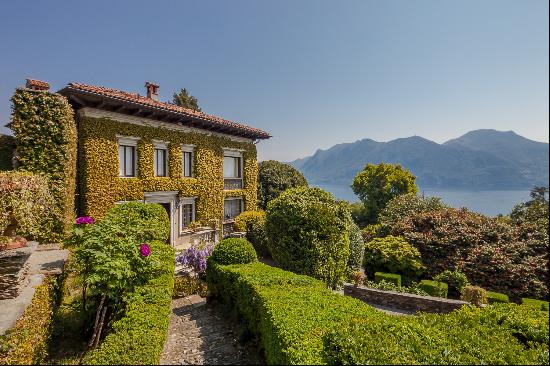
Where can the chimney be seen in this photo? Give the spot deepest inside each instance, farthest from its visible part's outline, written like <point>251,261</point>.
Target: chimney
<point>152,90</point>
<point>37,85</point>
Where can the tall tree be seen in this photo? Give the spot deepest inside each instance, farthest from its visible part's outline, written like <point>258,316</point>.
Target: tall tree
<point>185,100</point>
<point>275,177</point>
<point>377,184</point>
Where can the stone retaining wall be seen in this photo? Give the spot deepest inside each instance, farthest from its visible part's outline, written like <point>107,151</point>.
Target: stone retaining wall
<point>428,304</point>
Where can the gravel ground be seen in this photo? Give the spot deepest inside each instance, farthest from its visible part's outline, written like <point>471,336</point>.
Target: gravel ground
<point>199,334</point>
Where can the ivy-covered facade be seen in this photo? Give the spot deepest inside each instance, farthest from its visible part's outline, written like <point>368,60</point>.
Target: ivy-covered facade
<point>201,168</point>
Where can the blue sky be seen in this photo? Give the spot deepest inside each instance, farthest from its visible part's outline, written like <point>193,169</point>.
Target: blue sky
<point>313,73</point>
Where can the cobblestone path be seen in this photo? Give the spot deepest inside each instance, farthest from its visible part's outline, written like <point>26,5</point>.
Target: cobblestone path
<point>200,335</point>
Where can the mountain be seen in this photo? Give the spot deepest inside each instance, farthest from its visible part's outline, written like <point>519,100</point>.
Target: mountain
<point>480,159</point>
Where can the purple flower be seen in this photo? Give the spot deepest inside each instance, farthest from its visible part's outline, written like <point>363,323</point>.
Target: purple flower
<point>144,250</point>
<point>195,257</point>
<point>84,220</point>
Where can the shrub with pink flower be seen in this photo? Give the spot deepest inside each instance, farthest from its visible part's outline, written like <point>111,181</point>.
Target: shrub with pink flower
<point>84,220</point>
<point>144,250</point>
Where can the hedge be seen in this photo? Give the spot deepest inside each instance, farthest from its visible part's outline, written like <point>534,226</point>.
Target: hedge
<point>138,336</point>
<point>7,146</point>
<point>44,128</point>
<point>101,185</point>
<point>289,313</point>
<point>539,304</point>
<point>233,251</point>
<point>493,297</point>
<point>498,334</point>
<point>434,288</point>
<point>27,342</point>
<point>388,277</point>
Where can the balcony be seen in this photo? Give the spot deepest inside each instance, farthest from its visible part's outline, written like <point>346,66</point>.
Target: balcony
<point>232,183</point>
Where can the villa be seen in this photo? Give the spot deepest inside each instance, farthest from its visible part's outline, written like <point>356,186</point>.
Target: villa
<point>201,168</point>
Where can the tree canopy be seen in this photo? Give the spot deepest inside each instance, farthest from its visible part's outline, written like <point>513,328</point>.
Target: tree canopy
<point>184,99</point>
<point>275,177</point>
<point>377,184</point>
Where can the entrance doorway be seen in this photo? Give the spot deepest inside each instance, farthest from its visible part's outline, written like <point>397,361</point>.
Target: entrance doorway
<point>168,200</point>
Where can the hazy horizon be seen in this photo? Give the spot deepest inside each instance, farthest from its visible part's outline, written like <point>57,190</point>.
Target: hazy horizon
<point>313,73</point>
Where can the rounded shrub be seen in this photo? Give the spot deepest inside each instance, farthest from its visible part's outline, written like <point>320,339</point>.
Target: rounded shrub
<point>308,233</point>
<point>233,251</point>
<point>393,255</point>
<point>274,178</point>
<point>253,222</point>
<point>456,280</point>
<point>149,221</point>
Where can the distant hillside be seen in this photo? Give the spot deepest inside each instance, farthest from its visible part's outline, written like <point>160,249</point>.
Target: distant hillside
<point>481,159</point>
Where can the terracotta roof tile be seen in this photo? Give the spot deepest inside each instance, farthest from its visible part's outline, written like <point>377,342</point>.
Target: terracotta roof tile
<point>139,99</point>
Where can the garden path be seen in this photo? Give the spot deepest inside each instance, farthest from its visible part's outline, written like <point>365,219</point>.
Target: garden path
<point>199,334</point>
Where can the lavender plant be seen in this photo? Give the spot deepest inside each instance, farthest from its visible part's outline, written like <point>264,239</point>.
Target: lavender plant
<point>195,257</point>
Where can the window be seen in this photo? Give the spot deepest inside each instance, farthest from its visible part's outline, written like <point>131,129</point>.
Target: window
<point>232,207</point>
<point>161,158</point>
<point>127,161</point>
<point>187,212</point>
<point>188,160</point>
<point>232,167</point>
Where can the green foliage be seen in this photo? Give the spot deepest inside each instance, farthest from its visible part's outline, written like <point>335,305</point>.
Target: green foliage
<point>188,285</point>
<point>356,248</point>
<point>539,304</point>
<point>7,147</point>
<point>308,233</point>
<point>274,178</point>
<point>141,220</point>
<point>185,100</point>
<point>404,205</point>
<point>45,131</point>
<point>493,253</point>
<point>493,297</point>
<point>377,184</point>
<point>139,333</point>
<point>27,342</point>
<point>359,214</point>
<point>384,285</point>
<point>475,295</point>
<point>25,204</point>
<point>233,251</point>
<point>288,313</point>
<point>434,288</point>
<point>393,255</point>
<point>370,232</point>
<point>456,280</point>
<point>499,334</point>
<point>387,277</point>
<point>253,222</point>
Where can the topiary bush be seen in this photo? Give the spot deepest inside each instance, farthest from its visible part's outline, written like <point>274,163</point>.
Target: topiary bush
<point>392,255</point>
<point>45,130</point>
<point>387,277</point>
<point>233,251</point>
<point>308,233</point>
<point>456,280</point>
<point>475,295</point>
<point>434,288</point>
<point>274,178</point>
<point>253,222</point>
<point>25,205</point>
<point>538,304</point>
<point>356,248</point>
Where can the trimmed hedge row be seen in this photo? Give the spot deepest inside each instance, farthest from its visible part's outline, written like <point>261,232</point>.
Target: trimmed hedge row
<point>434,288</point>
<point>138,336</point>
<point>27,342</point>
<point>289,313</point>
<point>388,277</point>
<point>538,304</point>
<point>499,334</point>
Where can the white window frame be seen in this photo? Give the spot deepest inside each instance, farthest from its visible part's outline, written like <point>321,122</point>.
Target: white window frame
<point>189,149</point>
<point>240,199</point>
<point>235,153</point>
<point>161,145</point>
<point>132,142</point>
<point>186,201</point>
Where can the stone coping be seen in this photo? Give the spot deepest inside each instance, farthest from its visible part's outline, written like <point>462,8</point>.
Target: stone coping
<point>405,301</point>
<point>18,252</point>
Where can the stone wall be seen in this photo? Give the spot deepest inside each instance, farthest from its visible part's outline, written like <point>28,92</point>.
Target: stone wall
<point>403,301</point>
<point>14,269</point>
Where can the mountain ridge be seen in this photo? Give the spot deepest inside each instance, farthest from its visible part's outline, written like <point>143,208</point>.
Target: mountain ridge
<point>479,159</point>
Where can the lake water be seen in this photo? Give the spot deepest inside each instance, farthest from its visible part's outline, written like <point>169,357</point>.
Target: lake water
<point>489,203</point>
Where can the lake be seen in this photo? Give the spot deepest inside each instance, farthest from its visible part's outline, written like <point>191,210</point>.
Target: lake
<point>489,203</point>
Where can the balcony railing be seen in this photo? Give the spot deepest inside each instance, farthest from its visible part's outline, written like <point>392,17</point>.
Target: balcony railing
<point>232,183</point>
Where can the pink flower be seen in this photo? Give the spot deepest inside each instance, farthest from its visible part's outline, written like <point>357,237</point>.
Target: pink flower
<point>144,250</point>
<point>84,220</point>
